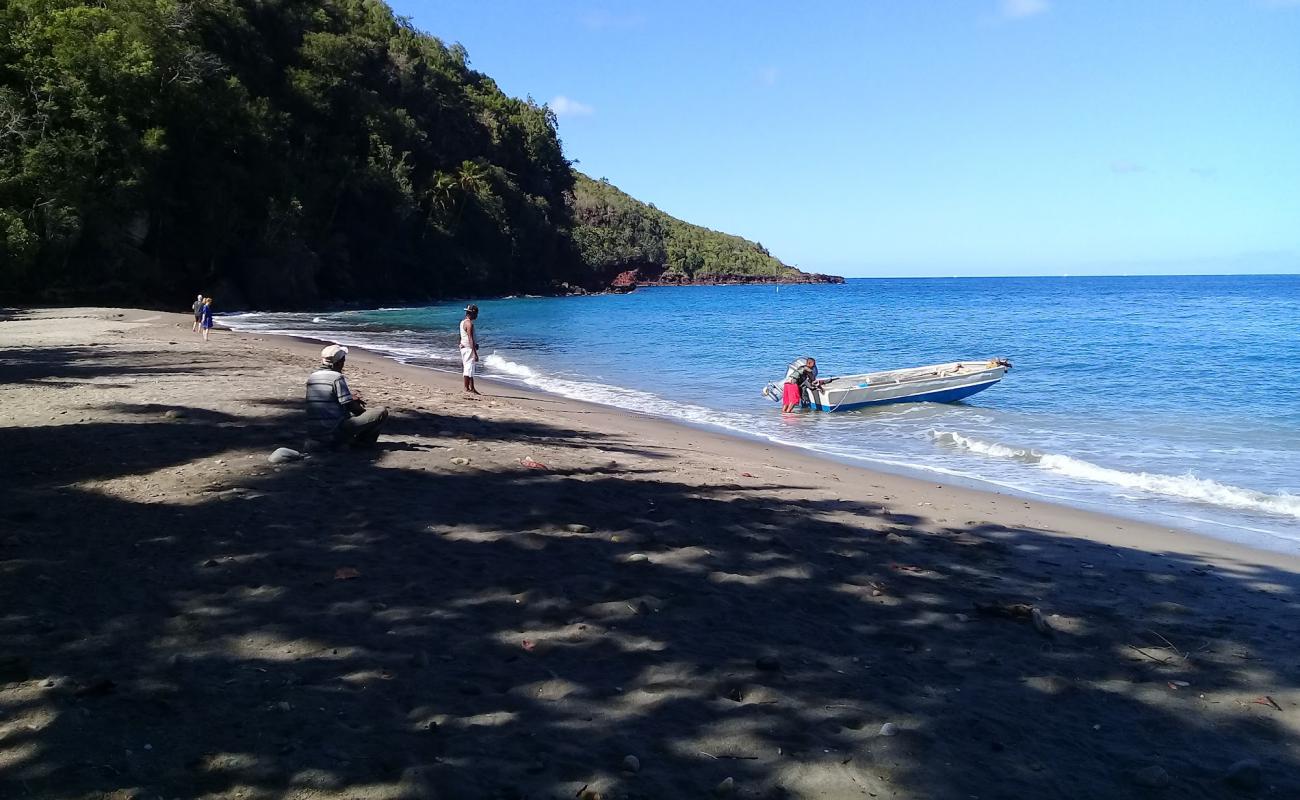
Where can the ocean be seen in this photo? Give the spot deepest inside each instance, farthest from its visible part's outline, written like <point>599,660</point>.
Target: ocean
<point>1172,399</point>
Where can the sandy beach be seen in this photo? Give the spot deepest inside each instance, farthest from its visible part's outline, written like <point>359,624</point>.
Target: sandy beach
<point>522,596</point>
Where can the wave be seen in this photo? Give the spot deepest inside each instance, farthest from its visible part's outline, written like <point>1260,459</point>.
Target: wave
<point>1183,487</point>
<point>508,367</point>
<point>430,351</point>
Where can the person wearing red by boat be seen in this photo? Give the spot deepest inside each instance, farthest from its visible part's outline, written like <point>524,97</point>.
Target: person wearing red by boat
<point>802,374</point>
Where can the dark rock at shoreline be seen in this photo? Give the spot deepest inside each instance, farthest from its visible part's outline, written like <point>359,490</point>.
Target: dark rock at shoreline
<point>656,276</point>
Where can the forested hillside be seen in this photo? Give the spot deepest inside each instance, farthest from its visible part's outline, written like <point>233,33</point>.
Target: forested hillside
<point>615,231</point>
<point>289,153</point>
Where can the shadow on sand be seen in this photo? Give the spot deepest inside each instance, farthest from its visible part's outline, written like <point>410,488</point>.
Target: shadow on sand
<point>345,627</point>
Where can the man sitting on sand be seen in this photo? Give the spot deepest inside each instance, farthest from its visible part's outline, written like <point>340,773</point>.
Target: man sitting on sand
<point>332,408</point>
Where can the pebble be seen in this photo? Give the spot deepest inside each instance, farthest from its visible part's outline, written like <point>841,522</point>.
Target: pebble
<point>576,528</point>
<point>631,764</point>
<point>175,413</point>
<point>1245,774</point>
<point>726,788</point>
<point>282,455</point>
<point>636,558</point>
<point>1153,777</point>
<point>888,729</point>
<point>460,462</point>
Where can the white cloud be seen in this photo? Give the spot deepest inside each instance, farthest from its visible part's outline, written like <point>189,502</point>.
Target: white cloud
<point>768,75</point>
<point>566,107</point>
<point>1019,9</point>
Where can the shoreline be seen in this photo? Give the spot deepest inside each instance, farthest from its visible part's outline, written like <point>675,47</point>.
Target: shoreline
<point>734,445</point>
<point>528,596</point>
<point>919,476</point>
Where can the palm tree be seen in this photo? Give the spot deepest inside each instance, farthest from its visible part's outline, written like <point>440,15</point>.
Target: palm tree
<point>454,190</point>
<point>443,193</point>
<point>472,177</point>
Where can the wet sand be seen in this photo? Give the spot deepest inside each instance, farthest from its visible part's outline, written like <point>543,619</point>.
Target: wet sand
<point>442,617</point>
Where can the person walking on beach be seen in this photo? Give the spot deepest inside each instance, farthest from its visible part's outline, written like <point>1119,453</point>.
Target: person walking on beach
<point>469,347</point>
<point>332,408</point>
<point>198,313</point>
<point>801,374</point>
<point>205,317</point>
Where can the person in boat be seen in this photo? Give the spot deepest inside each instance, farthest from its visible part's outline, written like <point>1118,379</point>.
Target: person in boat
<point>801,375</point>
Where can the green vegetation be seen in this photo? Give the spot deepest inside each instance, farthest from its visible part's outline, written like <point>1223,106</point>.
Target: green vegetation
<point>291,152</point>
<point>615,231</point>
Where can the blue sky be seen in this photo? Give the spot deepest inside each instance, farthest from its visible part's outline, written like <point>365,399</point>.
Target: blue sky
<point>924,137</point>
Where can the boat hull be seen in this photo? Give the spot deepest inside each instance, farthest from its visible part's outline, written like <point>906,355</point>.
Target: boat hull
<point>937,396</point>
<point>942,383</point>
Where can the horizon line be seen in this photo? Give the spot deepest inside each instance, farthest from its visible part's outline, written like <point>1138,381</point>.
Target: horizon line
<point>1080,275</point>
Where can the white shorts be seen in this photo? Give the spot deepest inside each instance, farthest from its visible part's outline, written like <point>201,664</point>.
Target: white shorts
<point>467,362</point>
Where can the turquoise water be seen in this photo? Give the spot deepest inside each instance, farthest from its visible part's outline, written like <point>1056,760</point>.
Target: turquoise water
<point>1173,399</point>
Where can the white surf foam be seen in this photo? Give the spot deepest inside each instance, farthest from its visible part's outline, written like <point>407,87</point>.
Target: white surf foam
<point>617,396</point>
<point>1183,487</point>
<point>507,367</point>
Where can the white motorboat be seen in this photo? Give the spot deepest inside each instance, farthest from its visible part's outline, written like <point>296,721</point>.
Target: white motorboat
<point>938,383</point>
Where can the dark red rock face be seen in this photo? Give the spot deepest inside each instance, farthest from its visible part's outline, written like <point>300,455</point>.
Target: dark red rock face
<point>655,276</point>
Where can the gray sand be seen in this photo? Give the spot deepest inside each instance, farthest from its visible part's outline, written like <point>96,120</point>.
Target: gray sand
<point>181,618</point>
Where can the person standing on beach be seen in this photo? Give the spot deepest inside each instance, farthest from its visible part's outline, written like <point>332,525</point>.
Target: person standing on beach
<point>198,313</point>
<point>802,373</point>
<point>332,407</point>
<point>205,317</point>
<point>469,347</point>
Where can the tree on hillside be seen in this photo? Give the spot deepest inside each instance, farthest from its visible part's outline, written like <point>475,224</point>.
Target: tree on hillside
<point>290,150</point>
<point>615,231</point>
